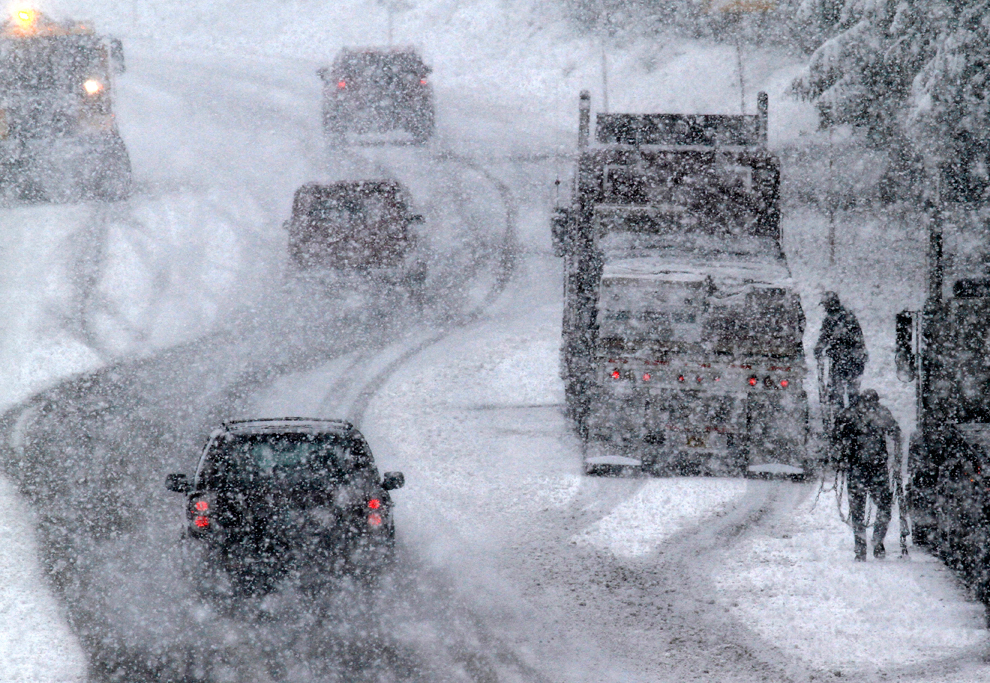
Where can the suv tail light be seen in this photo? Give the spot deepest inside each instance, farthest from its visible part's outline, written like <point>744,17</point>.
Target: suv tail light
<point>374,517</point>
<point>201,510</point>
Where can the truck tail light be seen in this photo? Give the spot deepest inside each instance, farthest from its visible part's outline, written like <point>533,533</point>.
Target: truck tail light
<point>616,374</point>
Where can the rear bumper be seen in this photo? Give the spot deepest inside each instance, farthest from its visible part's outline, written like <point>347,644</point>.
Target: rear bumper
<point>767,433</point>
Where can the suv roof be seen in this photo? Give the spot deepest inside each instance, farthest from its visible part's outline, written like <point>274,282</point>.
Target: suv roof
<point>344,186</point>
<point>297,425</point>
<point>404,56</point>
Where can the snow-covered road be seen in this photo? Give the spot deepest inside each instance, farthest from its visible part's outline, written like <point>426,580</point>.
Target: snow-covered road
<point>514,565</point>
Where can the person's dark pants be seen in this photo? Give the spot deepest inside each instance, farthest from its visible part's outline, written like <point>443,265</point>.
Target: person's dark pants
<point>843,387</point>
<point>861,484</point>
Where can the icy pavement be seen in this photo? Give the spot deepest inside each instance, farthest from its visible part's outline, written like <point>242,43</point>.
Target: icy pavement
<point>795,582</point>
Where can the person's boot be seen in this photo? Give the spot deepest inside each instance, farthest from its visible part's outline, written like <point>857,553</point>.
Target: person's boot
<point>878,551</point>
<point>861,550</point>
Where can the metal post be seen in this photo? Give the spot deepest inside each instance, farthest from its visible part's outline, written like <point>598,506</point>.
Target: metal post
<point>584,119</point>
<point>603,33</point>
<point>830,201</point>
<point>742,82</point>
<point>935,253</point>
<point>604,78</point>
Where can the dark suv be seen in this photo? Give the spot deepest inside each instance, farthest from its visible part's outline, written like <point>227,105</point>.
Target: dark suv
<point>377,91</point>
<point>363,226</point>
<point>293,495</point>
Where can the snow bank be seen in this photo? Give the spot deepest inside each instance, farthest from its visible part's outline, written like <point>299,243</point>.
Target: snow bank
<point>36,644</point>
<point>797,585</point>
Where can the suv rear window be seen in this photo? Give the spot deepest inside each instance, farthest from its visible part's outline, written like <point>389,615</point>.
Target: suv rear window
<point>378,65</point>
<point>292,459</point>
<point>350,208</point>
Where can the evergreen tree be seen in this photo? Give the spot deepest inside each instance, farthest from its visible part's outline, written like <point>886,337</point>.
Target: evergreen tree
<point>912,73</point>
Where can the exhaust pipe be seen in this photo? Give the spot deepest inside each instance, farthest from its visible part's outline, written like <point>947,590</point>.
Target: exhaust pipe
<point>762,116</point>
<point>584,119</point>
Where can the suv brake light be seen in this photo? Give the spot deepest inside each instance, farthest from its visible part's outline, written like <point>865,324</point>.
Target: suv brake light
<point>200,512</point>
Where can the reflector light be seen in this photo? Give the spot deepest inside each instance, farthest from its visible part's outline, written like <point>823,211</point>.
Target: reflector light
<point>422,81</point>
<point>752,381</point>
<point>784,383</point>
<point>698,379</point>
<point>375,519</point>
<point>202,522</point>
<point>718,379</point>
<point>616,374</point>
<point>646,377</point>
<point>374,503</point>
<point>202,506</point>
<point>341,84</point>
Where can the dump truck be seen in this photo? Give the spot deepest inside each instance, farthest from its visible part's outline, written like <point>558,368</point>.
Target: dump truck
<point>58,135</point>
<point>945,350</point>
<point>682,335</point>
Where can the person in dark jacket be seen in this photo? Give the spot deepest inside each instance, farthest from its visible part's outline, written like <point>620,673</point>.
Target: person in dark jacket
<point>841,343</point>
<point>868,444</point>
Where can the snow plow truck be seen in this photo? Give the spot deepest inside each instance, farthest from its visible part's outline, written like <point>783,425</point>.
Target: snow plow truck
<point>682,333</point>
<point>58,136</point>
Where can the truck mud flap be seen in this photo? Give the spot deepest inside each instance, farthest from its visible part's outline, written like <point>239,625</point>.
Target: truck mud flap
<point>777,435</point>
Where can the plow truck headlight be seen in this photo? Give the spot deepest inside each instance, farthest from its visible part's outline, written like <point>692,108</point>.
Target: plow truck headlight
<point>93,87</point>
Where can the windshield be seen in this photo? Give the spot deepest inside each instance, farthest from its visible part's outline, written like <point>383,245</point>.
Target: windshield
<point>291,459</point>
<point>42,64</point>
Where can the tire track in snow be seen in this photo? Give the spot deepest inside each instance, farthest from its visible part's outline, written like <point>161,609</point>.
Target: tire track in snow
<point>130,408</point>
